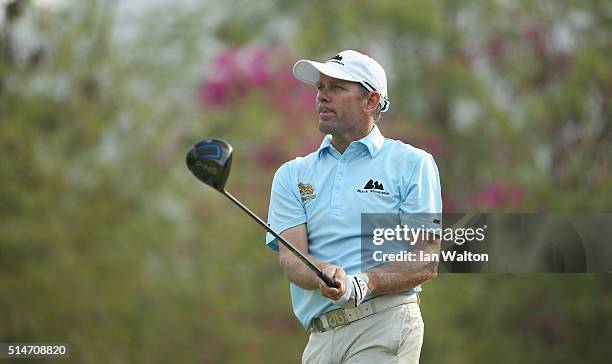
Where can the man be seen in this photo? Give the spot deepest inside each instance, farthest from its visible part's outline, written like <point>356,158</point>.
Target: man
<point>317,201</point>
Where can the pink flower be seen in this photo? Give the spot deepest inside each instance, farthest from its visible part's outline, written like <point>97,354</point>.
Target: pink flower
<point>270,155</point>
<point>498,195</point>
<point>214,93</point>
<point>234,73</point>
<point>448,203</point>
<point>310,143</point>
<point>432,144</point>
<point>257,67</point>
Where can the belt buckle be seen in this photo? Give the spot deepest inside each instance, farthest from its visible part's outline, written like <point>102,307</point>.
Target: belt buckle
<point>317,325</point>
<point>336,318</point>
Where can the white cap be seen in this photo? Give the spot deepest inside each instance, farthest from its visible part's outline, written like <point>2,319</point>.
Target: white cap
<point>349,66</point>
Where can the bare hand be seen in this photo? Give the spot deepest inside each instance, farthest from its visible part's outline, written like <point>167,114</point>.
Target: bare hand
<point>338,275</point>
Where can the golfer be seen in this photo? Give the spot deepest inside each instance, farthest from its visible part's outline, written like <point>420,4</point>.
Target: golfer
<point>316,203</point>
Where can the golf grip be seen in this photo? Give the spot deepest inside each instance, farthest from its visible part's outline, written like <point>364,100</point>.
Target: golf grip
<point>324,277</point>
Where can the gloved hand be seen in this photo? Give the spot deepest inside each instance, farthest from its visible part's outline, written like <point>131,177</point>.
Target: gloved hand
<point>356,289</point>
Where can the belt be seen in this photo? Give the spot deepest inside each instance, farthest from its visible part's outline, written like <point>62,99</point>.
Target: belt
<point>344,316</point>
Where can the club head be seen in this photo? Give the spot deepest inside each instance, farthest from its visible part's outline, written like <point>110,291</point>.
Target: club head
<point>210,161</point>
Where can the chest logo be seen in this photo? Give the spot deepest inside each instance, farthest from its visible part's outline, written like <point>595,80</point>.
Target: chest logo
<point>373,187</point>
<point>306,191</point>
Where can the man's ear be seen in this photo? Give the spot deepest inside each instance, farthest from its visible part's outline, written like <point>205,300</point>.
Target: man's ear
<point>373,101</point>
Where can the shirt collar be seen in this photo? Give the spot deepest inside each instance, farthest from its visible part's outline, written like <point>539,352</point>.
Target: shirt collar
<point>373,142</point>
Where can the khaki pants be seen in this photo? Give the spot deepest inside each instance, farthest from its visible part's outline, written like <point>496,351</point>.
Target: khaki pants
<point>391,336</point>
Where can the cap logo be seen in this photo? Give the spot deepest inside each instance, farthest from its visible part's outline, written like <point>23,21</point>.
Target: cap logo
<point>337,59</point>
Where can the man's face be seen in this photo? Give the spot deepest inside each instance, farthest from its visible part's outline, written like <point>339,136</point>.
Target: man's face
<point>340,106</point>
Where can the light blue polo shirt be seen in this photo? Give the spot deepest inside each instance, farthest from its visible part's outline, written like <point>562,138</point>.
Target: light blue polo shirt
<point>325,190</point>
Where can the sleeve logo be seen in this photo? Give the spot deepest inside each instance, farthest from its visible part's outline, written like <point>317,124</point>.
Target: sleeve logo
<point>306,191</point>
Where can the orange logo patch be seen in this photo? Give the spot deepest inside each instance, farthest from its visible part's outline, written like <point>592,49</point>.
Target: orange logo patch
<point>306,191</point>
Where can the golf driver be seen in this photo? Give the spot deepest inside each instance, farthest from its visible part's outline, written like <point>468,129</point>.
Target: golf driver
<point>210,161</point>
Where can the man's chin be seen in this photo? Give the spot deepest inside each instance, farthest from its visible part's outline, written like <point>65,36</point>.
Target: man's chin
<point>325,127</point>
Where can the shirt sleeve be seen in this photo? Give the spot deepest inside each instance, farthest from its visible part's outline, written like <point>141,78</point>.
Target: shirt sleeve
<point>422,206</point>
<point>286,209</point>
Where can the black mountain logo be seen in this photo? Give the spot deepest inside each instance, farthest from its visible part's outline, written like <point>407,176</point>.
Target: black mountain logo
<point>336,59</point>
<point>373,185</point>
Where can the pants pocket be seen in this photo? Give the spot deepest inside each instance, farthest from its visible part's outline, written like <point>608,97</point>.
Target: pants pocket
<point>411,340</point>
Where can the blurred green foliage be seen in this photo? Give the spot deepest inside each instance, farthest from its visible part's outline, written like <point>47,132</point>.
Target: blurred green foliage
<point>107,243</point>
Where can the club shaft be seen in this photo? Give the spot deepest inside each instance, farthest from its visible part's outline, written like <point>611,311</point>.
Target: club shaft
<point>330,282</point>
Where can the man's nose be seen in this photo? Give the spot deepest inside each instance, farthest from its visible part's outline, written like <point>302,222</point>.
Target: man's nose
<point>322,96</point>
